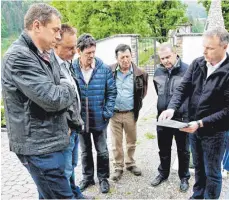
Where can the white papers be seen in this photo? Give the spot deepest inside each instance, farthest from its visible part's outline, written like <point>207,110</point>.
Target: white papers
<point>171,124</point>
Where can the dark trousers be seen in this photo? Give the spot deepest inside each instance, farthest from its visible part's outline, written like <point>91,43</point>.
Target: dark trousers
<point>165,138</point>
<point>207,158</point>
<point>47,172</point>
<point>100,142</point>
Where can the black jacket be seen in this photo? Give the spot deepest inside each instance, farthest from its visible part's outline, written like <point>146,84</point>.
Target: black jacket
<point>209,97</point>
<point>35,102</point>
<point>140,86</point>
<point>165,83</point>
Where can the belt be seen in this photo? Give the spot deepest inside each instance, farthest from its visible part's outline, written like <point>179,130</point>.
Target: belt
<point>123,111</point>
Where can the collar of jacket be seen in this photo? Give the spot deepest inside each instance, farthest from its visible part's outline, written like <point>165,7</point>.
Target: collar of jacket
<point>136,70</point>
<point>203,64</point>
<point>177,65</point>
<point>27,39</point>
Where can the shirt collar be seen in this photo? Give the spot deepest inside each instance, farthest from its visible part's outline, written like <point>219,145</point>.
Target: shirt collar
<point>218,64</point>
<point>91,67</point>
<point>130,70</point>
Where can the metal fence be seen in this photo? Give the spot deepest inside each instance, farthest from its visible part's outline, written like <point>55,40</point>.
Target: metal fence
<point>147,52</point>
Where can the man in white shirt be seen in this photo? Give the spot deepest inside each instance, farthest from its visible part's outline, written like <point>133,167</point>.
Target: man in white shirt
<point>64,52</point>
<point>206,83</point>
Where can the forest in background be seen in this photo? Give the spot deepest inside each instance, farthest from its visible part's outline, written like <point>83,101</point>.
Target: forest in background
<point>106,18</point>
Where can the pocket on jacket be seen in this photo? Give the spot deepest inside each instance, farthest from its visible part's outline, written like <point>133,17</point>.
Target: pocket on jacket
<point>174,84</point>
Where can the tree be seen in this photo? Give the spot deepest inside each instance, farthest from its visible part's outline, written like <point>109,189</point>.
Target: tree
<point>105,18</point>
<point>4,30</point>
<point>225,10</point>
<point>163,16</point>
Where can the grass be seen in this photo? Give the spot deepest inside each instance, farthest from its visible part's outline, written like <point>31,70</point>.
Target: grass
<point>144,57</point>
<point>150,136</point>
<point>152,116</point>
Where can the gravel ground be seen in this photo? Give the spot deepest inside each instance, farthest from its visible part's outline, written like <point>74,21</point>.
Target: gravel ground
<point>16,183</point>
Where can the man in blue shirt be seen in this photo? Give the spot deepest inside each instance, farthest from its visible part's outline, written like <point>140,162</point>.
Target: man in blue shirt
<point>131,83</point>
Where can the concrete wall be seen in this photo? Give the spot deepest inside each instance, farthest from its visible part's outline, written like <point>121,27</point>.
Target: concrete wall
<point>105,48</point>
<point>190,46</point>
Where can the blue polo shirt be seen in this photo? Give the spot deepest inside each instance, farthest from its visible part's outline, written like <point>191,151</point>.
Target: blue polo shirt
<point>125,88</point>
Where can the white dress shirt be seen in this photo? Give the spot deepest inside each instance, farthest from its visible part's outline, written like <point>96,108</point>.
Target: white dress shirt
<point>211,69</point>
<point>65,68</point>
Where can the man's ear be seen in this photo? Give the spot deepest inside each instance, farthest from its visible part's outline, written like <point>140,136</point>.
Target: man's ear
<point>37,26</point>
<point>225,47</point>
<point>78,50</point>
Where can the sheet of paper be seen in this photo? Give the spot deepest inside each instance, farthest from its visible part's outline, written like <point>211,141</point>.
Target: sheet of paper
<point>171,124</point>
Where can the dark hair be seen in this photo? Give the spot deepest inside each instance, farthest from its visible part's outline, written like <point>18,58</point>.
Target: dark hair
<point>122,48</point>
<point>40,11</point>
<point>65,28</point>
<point>85,41</point>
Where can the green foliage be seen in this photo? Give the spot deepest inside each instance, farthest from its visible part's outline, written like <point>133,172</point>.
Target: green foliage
<point>144,57</point>
<point>6,42</point>
<point>163,16</point>
<point>225,10</point>
<point>150,136</point>
<point>4,30</point>
<point>3,119</point>
<point>106,18</point>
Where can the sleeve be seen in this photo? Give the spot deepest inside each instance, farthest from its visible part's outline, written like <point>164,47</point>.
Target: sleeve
<point>34,82</point>
<point>111,93</point>
<point>145,81</point>
<point>219,120</point>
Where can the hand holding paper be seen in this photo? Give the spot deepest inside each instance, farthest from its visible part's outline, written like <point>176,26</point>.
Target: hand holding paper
<point>166,114</point>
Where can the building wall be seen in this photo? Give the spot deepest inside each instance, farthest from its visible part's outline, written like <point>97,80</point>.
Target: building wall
<point>105,48</point>
<point>190,46</point>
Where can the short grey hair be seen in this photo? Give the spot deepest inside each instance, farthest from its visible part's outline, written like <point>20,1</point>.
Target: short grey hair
<point>167,45</point>
<point>41,12</point>
<point>219,32</point>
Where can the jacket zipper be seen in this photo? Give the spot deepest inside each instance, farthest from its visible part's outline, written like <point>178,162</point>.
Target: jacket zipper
<point>87,113</point>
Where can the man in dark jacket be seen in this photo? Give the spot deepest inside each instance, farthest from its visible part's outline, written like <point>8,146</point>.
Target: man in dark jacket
<point>132,84</point>
<point>167,77</point>
<point>206,83</point>
<point>35,102</point>
<point>64,51</point>
<point>98,93</point>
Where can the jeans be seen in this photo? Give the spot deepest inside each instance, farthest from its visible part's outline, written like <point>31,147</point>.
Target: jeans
<point>47,171</point>
<point>71,155</point>
<point>71,160</point>
<point>100,142</point>
<point>207,157</point>
<point>226,155</point>
<point>165,138</point>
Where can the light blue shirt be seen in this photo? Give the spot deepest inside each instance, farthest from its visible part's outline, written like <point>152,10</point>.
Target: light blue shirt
<point>125,88</point>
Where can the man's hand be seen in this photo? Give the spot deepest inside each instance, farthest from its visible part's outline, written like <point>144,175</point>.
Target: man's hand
<point>193,126</point>
<point>166,114</point>
<point>69,132</point>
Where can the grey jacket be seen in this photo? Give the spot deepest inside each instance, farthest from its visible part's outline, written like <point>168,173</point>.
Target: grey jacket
<point>74,119</point>
<point>35,101</point>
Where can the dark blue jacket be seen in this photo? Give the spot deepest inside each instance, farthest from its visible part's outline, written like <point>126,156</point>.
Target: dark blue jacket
<point>209,97</point>
<point>165,83</point>
<point>97,97</point>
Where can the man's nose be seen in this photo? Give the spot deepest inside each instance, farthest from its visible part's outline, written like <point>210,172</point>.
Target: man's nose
<point>58,35</point>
